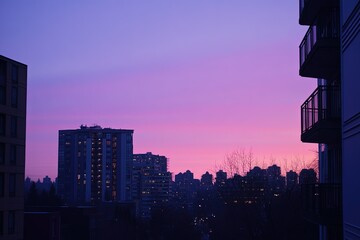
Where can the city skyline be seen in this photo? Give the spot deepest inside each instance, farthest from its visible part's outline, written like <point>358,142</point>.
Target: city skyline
<point>181,75</point>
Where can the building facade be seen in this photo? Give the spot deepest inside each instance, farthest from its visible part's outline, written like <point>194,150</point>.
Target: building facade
<point>206,180</point>
<point>13,85</point>
<point>185,189</point>
<point>221,178</point>
<point>321,112</point>
<point>292,180</point>
<point>95,165</point>
<point>350,93</point>
<point>151,182</point>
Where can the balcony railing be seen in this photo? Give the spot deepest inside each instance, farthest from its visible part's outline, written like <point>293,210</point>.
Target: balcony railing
<point>303,3</point>
<point>320,115</point>
<point>320,50</point>
<point>307,43</point>
<point>310,9</point>
<point>314,35</point>
<point>322,202</point>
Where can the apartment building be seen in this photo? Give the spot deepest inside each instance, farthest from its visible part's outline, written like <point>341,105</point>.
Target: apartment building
<point>321,112</point>
<point>95,165</point>
<point>13,85</point>
<point>151,182</point>
<point>350,93</point>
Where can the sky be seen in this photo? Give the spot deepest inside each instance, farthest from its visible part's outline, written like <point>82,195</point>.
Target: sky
<point>195,79</point>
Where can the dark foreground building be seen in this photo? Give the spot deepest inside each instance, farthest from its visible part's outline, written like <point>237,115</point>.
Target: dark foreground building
<point>13,82</point>
<point>330,52</point>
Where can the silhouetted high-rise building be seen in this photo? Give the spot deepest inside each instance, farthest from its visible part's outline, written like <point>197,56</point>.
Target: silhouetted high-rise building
<point>95,165</point>
<point>13,85</point>
<point>276,182</point>
<point>206,180</point>
<point>292,180</point>
<point>255,185</point>
<point>220,179</point>
<point>184,178</point>
<point>185,189</point>
<point>151,182</point>
<point>307,176</point>
<point>46,183</point>
<point>320,58</point>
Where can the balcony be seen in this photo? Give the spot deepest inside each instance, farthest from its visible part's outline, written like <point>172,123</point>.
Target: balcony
<point>309,9</point>
<point>322,203</point>
<point>321,115</point>
<point>320,52</point>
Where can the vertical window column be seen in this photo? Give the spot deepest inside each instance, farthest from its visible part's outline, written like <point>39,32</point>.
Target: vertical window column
<point>2,124</point>
<point>14,96</point>
<point>2,153</point>
<point>1,223</point>
<point>13,126</point>
<point>11,222</point>
<point>12,185</point>
<point>2,184</point>
<point>13,154</point>
<point>2,82</point>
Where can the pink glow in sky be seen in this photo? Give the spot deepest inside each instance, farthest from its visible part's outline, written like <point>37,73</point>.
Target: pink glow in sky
<point>194,79</point>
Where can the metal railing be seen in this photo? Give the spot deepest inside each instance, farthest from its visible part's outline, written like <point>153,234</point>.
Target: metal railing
<point>329,30</point>
<point>323,104</point>
<point>322,199</point>
<point>302,5</point>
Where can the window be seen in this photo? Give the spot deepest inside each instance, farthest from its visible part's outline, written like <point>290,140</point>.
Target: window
<point>2,124</point>
<point>2,153</point>
<point>12,184</point>
<point>2,94</point>
<point>1,223</point>
<point>14,97</point>
<point>13,154</point>
<point>2,72</point>
<point>13,126</point>
<point>11,222</point>
<point>14,73</point>
<point>2,82</point>
<point>2,183</point>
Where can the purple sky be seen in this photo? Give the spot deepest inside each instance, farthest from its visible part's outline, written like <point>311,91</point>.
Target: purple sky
<point>194,79</point>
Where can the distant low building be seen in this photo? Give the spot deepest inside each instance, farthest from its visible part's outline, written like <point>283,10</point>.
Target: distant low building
<point>206,180</point>
<point>276,182</point>
<point>292,179</point>
<point>307,176</point>
<point>185,189</point>
<point>151,182</point>
<point>220,179</point>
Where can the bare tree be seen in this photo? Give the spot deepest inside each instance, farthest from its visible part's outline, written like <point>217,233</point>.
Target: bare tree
<point>314,164</point>
<point>239,162</point>
<point>284,165</point>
